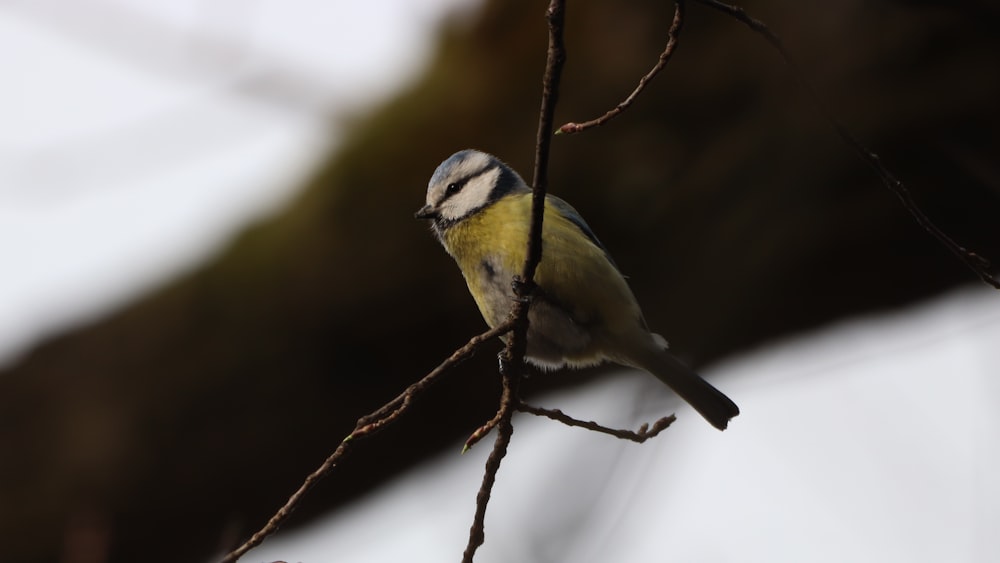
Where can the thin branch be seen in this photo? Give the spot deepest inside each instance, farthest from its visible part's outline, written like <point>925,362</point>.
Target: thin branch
<point>505,429</point>
<point>365,427</point>
<point>644,433</point>
<point>668,51</point>
<point>513,366</point>
<point>555,59</point>
<point>975,262</point>
<point>485,429</point>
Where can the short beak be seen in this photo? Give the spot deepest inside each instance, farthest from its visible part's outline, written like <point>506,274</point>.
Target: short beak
<point>425,212</point>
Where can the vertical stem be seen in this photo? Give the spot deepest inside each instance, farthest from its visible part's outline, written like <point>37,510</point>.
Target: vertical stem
<point>513,363</point>
<point>543,139</point>
<point>505,429</point>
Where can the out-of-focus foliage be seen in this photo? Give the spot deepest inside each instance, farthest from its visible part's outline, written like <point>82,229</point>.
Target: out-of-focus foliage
<point>178,424</point>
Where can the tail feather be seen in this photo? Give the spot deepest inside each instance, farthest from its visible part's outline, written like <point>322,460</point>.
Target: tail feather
<point>711,403</point>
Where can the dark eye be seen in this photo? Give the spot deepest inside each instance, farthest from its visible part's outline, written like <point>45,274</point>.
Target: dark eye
<point>453,188</point>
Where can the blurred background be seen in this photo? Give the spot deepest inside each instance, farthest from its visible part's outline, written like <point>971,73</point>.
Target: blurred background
<point>211,270</point>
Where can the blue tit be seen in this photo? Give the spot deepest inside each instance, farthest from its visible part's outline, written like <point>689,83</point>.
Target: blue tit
<point>583,311</point>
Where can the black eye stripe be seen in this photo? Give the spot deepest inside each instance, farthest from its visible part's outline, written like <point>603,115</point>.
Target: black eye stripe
<point>455,187</point>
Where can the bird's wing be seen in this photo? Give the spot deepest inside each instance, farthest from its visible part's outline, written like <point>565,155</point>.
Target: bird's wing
<point>567,211</point>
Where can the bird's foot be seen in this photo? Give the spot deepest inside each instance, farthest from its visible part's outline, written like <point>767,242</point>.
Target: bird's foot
<point>503,363</point>
<point>523,291</point>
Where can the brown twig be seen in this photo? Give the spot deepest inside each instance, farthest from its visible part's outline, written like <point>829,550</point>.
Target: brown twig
<point>505,429</point>
<point>668,51</point>
<point>483,430</point>
<point>977,263</point>
<point>365,427</point>
<point>513,366</point>
<point>644,433</point>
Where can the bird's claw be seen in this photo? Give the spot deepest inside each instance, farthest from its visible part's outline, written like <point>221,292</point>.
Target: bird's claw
<point>523,291</point>
<point>503,364</point>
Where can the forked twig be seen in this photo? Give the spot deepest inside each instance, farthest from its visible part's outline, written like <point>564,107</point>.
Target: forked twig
<point>505,429</point>
<point>365,427</point>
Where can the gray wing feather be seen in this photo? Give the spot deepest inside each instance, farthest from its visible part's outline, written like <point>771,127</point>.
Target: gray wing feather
<point>567,211</point>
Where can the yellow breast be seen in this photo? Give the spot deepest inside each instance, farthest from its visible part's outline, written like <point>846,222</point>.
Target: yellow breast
<point>574,272</point>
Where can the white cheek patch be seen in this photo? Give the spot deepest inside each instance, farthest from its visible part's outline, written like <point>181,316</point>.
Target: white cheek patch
<point>474,195</point>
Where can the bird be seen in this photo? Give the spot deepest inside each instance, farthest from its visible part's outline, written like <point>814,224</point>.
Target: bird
<point>582,311</point>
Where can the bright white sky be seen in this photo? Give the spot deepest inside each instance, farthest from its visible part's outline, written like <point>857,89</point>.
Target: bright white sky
<point>139,136</point>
